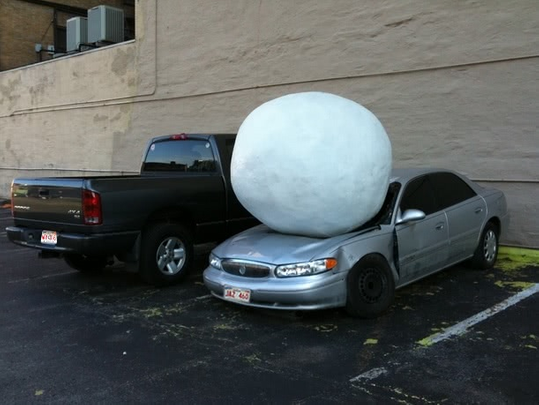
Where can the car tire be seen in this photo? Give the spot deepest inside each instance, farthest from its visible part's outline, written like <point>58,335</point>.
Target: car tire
<point>371,288</point>
<point>85,264</point>
<point>486,252</point>
<point>166,254</point>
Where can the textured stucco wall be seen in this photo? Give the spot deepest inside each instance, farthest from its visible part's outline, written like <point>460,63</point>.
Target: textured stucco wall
<point>453,85</point>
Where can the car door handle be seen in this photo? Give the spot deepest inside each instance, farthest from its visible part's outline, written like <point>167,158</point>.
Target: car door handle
<point>478,210</point>
<point>440,226</point>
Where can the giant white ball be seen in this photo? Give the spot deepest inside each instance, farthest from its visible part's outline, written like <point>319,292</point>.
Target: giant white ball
<point>312,164</point>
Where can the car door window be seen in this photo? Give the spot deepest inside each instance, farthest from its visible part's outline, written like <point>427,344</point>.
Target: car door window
<point>419,195</point>
<point>450,189</point>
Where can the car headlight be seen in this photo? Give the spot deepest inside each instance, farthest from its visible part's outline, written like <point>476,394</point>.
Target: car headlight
<point>215,262</point>
<point>305,269</point>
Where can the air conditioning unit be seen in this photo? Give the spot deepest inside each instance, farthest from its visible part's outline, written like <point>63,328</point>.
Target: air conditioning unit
<point>77,33</point>
<point>105,24</point>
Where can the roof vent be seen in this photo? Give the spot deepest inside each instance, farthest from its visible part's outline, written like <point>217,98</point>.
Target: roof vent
<point>105,24</point>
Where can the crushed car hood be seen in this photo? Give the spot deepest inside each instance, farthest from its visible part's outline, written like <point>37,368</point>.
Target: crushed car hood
<point>263,244</point>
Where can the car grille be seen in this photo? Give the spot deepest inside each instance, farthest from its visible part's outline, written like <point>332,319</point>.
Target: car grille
<point>246,269</point>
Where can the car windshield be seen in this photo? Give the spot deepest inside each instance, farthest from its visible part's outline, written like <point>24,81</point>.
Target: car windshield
<point>386,212</point>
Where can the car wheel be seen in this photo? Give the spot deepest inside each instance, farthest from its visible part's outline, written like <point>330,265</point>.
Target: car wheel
<point>85,264</point>
<point>486,252</point>
<point>371,288</point>
<point>166,254</point>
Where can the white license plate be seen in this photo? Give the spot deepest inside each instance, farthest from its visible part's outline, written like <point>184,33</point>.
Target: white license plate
<point>237,294</point>
<point>48,237</point>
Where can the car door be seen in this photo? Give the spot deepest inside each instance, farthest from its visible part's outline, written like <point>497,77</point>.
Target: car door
<point>465,211</point>
<point>423,244</point>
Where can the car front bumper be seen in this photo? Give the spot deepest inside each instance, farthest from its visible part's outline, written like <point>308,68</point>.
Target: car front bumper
<point>326,290</point>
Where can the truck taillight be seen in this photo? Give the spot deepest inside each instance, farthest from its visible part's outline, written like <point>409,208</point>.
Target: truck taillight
<point>91,208</point>
<point>179,137</point>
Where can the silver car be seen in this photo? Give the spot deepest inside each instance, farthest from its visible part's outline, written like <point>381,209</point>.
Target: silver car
<point>431,219</point>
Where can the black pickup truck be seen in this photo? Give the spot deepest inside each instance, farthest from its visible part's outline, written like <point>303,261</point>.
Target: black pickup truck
<point>181,197</point>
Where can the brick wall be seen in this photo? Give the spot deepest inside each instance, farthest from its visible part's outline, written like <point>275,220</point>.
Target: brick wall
<point>24,24</point>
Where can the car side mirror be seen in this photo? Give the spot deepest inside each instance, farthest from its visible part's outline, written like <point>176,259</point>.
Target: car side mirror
<point>410,216</point>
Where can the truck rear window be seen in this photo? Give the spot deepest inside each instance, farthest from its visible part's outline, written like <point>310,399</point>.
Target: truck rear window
<point>180,156</point>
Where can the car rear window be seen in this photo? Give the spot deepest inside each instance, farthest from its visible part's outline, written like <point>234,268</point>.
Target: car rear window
<point>450,189</point>
<point>187,155</point>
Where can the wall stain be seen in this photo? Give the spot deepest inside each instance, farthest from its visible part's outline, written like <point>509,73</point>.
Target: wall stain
<point>98,118</point>
<point>7,145</point>
<point>116,117</point>
<point>399,23</point>
<point>10,92</point>
<point>123,61</point>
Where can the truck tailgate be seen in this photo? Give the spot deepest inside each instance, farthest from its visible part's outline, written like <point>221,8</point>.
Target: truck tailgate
<point>56,200</point>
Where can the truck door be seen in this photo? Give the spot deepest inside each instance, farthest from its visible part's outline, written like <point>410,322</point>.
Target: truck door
<point>238,218</point>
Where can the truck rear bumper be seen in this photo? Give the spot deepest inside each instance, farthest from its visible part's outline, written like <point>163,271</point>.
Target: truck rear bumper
<point>91,245</point>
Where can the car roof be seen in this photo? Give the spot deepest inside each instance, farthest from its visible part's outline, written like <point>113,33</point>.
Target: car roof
<point>403,175</point>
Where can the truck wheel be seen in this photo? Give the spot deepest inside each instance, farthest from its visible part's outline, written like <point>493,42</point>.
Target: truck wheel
<point>486,252</point>
<point>166,254</point>
<point>85,264</point>
<point>371,288</point>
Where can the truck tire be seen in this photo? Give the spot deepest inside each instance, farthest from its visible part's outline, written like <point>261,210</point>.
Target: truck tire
<point>166,254</point>
<point>85,264</point>
<point>486,252</point>
<point>371,288</point>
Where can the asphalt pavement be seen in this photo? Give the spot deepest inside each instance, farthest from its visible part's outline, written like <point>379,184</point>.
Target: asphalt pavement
<point>461,336</point>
